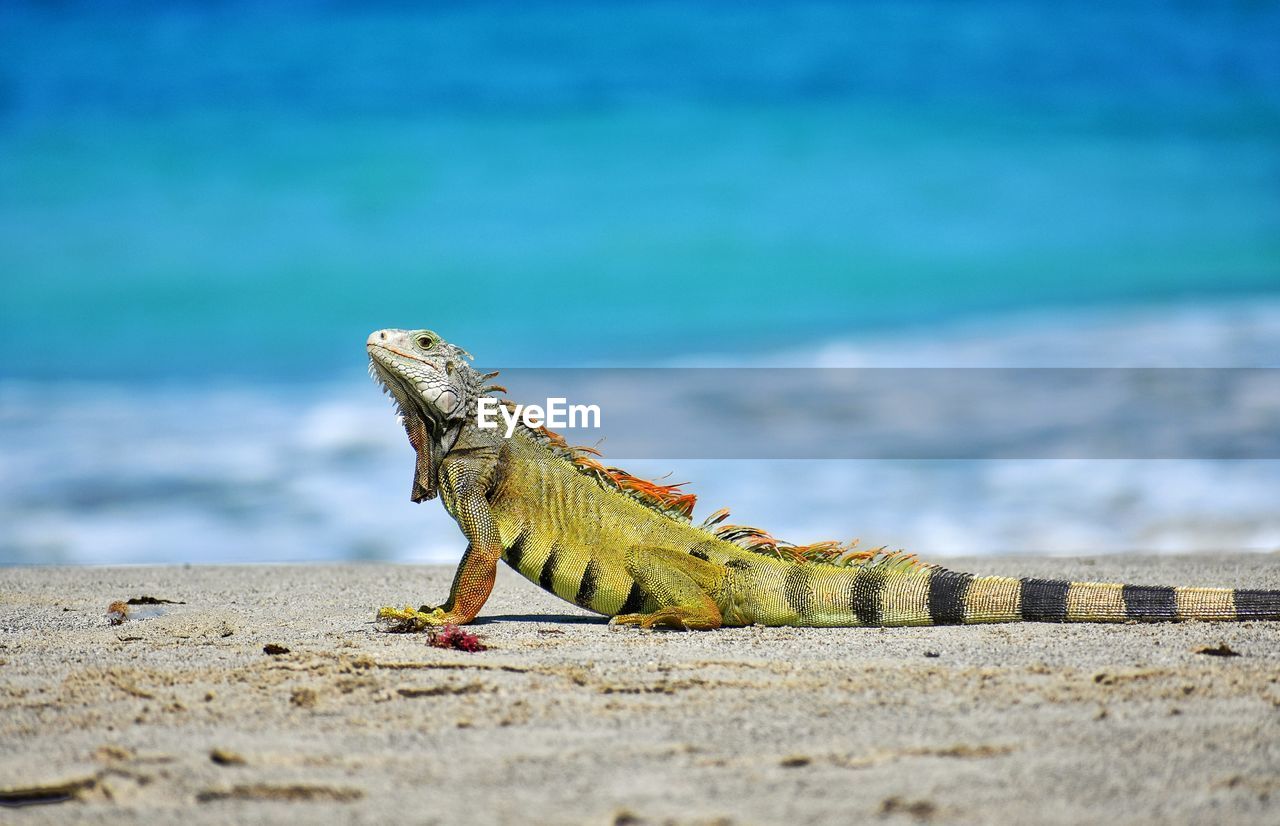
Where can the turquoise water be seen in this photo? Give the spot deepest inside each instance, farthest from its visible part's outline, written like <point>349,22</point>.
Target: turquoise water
<point>247,191</point>
<point>203,213</point>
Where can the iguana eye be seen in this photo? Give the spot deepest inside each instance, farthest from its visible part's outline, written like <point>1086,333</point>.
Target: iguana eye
<point>426,342</point>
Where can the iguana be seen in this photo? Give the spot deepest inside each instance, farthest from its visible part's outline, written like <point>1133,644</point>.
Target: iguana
<point>627,548</point>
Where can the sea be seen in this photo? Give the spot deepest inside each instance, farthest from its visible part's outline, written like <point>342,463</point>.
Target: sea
<point>206,208</point>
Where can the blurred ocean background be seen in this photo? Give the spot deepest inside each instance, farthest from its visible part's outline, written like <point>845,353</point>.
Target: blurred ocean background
<point>205,208</point>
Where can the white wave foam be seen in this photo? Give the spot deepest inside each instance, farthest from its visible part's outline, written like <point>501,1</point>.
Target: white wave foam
<point>1241,333</point>
<point>114,474</point>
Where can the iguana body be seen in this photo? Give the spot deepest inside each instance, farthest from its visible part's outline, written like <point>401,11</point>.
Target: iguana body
<point>626,548</point>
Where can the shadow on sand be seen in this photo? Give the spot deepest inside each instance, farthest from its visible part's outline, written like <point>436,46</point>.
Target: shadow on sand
<point>559,619</point>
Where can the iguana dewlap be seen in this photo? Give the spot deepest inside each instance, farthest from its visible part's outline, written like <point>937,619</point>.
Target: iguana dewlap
<point>626,548</point>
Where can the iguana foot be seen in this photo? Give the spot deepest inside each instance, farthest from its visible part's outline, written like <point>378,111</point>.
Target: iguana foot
<point>677,617</point>
<point>408,620</point>
<point>628,619</point>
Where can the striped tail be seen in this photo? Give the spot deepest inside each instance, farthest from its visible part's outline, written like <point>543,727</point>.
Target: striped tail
<point>959,598</point>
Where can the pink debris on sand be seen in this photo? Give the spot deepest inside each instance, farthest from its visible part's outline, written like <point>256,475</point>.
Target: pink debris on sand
<point>451,636</point>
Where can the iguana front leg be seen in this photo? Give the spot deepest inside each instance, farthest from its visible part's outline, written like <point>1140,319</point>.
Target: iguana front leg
<point>472,582</point>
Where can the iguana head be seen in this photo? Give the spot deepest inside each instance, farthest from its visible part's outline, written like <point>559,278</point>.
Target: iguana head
<point>435,389</point>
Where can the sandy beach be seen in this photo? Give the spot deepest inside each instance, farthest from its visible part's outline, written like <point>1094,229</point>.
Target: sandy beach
<point>179,714</point>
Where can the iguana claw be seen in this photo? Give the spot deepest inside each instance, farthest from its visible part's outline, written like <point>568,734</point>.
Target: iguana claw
<point>410,619</point>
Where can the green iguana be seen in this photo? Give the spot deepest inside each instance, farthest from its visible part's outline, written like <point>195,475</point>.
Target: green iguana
<point>627,548</point>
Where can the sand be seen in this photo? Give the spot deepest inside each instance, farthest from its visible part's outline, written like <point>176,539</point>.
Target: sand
<point>178,714</point>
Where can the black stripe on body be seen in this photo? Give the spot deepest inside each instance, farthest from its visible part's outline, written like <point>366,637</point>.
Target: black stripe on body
<point>864,597</point>
<point>590,582</point>
<point>700,555</point>
<point>635,600</point>
<point>1044,600</point>
<point>1149,602</point>
<point>516,552</point>
<point>547,577</point>
<point>1257,604</point>
<point>798,590</point>
<point>946,596</point>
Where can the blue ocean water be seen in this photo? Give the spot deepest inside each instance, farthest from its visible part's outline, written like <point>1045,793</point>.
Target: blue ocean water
<point>252,187</point>
<point>205,209</point>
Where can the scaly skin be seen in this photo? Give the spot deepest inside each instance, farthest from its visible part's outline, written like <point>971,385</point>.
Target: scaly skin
<point>567,524</point>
